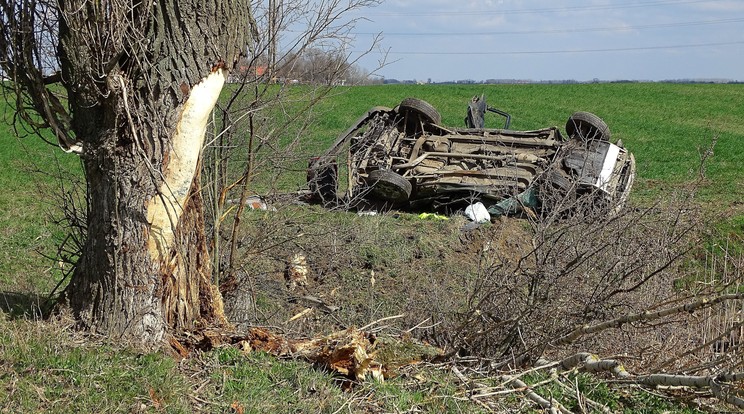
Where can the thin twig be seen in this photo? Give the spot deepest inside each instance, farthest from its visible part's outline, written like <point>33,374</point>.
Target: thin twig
<point>387,318</point>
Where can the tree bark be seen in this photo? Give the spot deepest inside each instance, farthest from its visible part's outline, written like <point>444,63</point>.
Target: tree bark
<point>141,82</point>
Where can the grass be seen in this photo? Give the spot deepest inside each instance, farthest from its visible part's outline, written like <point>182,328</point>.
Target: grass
<point>28,199</point>
<point>259,383</point>
<point>54,373</point>
<point>44,366</point>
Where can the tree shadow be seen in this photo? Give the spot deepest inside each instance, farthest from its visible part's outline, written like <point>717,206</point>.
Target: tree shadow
<point>20,305</point>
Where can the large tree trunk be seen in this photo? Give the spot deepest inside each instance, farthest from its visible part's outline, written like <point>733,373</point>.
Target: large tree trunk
<point>141,94</point>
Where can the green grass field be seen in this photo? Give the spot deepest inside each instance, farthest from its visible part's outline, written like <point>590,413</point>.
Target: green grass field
<point>44,367</point>
<point>29,198</point>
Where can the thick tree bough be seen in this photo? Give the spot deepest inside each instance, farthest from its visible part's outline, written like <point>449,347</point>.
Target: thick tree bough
<point>724,392</point>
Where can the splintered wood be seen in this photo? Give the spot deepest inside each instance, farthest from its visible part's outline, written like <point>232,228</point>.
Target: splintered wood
<point>349,352</point>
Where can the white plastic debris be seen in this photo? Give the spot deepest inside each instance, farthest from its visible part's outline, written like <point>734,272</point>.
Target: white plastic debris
<point>478,213</point>
<point>254,202</point>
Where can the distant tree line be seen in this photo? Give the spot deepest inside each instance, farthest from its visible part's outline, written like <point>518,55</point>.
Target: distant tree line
<point>313,66</point>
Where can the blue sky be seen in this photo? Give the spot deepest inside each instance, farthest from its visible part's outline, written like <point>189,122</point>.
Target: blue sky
<point>556,39</point>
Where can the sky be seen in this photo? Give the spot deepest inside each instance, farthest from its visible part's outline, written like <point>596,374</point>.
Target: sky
<point>446,40</point>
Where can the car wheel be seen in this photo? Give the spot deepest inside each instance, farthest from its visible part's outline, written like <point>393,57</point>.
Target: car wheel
<point>389,185</point>
<point>557,192</point>
<point>559,180</point>
<point>587,126</point>
<point>417,111</point>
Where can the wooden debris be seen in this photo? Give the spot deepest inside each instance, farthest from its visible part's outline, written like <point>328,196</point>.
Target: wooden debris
<point>180,349</point>
<point>351,352</point>
<point>297,270</point>
<point>348,352</point>
<point>300,315</point>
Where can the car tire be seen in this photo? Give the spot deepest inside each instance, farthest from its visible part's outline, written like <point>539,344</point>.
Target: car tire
<point>389,186</point>
<point>420,108</point>
<point>559,180</point>
<point>587,126</point>
<point>557,192</point>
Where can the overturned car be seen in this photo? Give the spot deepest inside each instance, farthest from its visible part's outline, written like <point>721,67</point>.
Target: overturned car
<point>405,156</point>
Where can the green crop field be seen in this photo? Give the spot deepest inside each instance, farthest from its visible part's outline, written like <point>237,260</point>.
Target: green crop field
<point>45,368</point>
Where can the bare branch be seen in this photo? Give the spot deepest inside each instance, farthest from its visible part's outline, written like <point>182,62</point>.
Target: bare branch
<point>645,316</point>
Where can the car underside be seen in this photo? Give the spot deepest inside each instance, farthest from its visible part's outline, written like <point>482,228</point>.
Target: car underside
<point>405,157</point>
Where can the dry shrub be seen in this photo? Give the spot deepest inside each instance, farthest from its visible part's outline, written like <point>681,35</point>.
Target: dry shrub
<point>588,268</point>
<point>582,267</point>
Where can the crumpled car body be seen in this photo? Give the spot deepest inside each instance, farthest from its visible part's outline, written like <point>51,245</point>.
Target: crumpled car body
<point>404,156</point>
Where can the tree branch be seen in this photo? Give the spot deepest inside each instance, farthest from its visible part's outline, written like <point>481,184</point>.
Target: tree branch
<point>644,316</point>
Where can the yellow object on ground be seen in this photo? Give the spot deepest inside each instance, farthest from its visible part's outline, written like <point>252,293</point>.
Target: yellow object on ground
<point>432,216</point>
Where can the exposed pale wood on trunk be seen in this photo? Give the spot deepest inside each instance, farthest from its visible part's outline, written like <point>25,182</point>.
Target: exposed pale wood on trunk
<point>164,211</point>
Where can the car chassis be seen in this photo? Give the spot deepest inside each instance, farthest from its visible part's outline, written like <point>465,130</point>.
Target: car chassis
<point>404,156</point>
